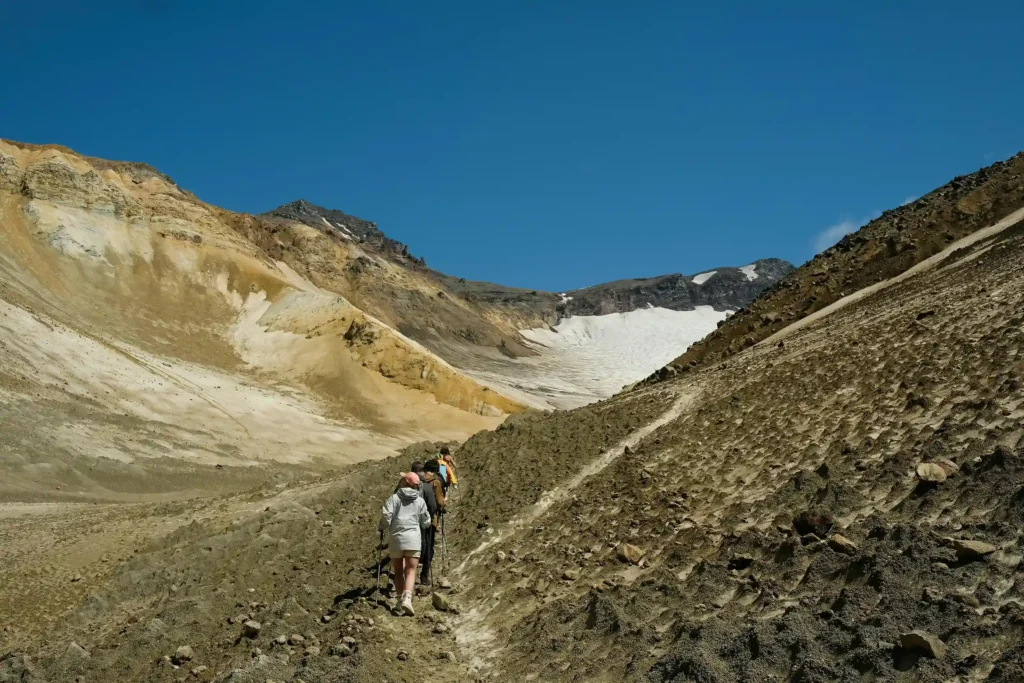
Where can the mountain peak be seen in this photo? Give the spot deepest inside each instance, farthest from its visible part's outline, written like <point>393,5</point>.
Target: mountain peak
<point>345,227</point>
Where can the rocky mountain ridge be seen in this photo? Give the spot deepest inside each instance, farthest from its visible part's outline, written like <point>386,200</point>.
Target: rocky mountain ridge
<point>345,227</point>
<point>725,288</point>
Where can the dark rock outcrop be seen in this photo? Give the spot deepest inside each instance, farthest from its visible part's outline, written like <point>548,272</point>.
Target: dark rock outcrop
<point>728,288</point>
<point>346,227</point>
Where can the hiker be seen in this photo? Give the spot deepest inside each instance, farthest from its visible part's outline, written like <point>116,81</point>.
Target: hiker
<point>427,489</point>
<point>404,516</point>
<point>432,479</point>
<point>449,461</point>
<point>446,475</point>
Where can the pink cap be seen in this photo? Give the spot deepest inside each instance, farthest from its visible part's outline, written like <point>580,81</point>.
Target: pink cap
<point>411,479</point>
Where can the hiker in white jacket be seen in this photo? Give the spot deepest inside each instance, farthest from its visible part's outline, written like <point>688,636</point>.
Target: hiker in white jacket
<point>404,516</point>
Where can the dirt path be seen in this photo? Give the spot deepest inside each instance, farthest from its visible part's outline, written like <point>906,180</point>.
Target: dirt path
<point>474,636</point>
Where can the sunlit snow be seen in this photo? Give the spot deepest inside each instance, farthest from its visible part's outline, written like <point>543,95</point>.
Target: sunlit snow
<point>328,224</point>
<point>588,358</point>
<point>750,271</point>
<point>703,277</point>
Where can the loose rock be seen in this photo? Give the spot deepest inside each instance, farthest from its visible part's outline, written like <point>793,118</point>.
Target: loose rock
<point>441,603</point>
<point>923,642</point>
<point>931,473</point>
<point>629,553</point>
<point>841,544</point>
<point>251,629</point>
<point>183,654</point>
<point>970,550</point>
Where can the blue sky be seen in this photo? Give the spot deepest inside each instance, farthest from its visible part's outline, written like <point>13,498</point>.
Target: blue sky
<point>546,145</point>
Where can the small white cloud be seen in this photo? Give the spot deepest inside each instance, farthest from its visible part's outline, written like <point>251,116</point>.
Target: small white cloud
<point>832,234</point>
<point>909,200</point>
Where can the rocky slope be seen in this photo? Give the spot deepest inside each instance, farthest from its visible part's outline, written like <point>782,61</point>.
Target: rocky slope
<point>885,247</point>
<point>843,506</point>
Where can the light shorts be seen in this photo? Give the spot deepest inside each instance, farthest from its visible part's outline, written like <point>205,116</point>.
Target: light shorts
<point>398,553</point>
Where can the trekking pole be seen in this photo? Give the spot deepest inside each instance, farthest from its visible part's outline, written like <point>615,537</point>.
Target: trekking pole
<point>444,548</point>
<point>380,542</point>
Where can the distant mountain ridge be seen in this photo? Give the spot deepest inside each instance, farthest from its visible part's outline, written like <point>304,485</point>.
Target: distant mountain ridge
<point>721,288</point>
<point>724,288</point>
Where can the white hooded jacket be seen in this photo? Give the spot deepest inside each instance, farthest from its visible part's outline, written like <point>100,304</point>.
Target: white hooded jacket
<point>403,516</point>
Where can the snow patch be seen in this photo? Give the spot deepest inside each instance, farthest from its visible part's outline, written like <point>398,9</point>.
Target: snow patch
<point>328,224</point>
<point>704,277</point>
<point>344,229</point>
<point>750,271</point>
<point>588,358</point>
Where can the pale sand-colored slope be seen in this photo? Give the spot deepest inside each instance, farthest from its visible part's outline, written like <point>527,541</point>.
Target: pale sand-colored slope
<point>141,327</point>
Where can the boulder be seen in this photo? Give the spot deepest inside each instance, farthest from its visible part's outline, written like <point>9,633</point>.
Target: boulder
<point>251,629</point>
<point>183,654</point>
<point>924,643</point>
<point>931,472</point>
<point>629,553</point>
<point>441,603</point>
<point>76,652</point>
<point>841,544</point>
<point>340,650</point>
<point>16,667</point>
<point>970,550</point>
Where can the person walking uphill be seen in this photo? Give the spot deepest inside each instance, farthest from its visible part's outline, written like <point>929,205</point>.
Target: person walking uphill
<point>431,482</point>
<point>405,516</point>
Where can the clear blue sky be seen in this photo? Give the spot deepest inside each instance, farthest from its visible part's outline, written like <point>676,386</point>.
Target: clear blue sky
<point>542,144</point>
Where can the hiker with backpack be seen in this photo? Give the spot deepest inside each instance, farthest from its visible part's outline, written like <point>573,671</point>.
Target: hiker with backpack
<point>404,517</point>
<point>431,479</point>
<point>446,463</point>
<point>449,461</point>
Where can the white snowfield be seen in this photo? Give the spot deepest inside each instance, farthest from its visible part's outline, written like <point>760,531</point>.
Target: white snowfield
<point>750,271</point>
<point>589,358</point>
<point>703,277</point>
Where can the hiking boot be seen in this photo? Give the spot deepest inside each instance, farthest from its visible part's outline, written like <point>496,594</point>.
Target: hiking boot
<point>407,606</point>
<point>399,607</point>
